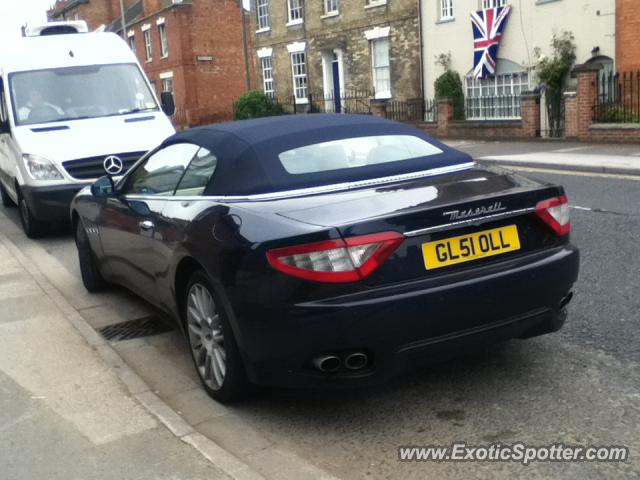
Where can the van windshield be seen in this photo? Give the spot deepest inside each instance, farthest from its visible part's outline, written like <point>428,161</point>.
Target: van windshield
<point>74,93</point>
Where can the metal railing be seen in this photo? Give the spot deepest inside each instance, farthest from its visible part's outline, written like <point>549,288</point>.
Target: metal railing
<point>414,110</point>
<point>349,101</point>
<point>503,107</point>
<point>618,98</point>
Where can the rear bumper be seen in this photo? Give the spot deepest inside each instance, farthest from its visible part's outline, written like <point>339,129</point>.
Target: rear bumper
<point>51,204</point>
<point>404,326</point>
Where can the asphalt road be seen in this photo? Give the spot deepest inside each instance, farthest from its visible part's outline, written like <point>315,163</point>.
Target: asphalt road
<point>580,386</point>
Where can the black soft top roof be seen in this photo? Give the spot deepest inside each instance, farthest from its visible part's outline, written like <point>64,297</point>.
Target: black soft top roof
<point>248,150</point>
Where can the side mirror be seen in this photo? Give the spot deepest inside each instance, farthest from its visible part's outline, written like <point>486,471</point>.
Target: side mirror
<point>4,126</point>
<point>103,187</point>
<point>168,103</point>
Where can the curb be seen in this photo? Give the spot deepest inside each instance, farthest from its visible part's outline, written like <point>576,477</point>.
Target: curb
<point>563,166</point>
<point>221,459</point>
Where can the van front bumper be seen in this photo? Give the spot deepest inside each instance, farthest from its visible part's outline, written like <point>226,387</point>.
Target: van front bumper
<point>51,204</point>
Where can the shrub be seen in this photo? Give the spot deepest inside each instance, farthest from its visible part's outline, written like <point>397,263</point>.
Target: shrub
<point>255,104</point>
<point>617,114</point>
<point>448,85</point>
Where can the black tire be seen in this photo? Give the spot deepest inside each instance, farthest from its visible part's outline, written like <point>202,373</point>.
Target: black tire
<point>6,199</point>
<point>32,227</point>
<point>91,277</point>
<point>234,386</point>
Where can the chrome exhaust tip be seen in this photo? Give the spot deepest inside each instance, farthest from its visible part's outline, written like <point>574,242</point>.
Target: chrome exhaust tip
<point>327,363</point>
<point>356,361</point>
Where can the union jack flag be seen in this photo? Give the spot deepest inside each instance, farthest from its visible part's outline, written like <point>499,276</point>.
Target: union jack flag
<point>488,26</point>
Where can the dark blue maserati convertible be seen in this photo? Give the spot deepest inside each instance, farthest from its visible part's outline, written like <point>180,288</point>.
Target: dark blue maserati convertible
<point>315,250</point>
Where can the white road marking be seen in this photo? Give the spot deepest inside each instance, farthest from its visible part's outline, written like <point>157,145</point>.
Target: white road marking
<point>580,208</point>
<point>616,176</point>
<point>572,149</point>
<point>637,154</point>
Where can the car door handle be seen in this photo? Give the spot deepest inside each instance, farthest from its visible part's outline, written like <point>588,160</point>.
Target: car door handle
<point>146,225</point>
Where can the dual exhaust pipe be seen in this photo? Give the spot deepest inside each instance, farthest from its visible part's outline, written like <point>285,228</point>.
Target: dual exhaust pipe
<point>333,363</point>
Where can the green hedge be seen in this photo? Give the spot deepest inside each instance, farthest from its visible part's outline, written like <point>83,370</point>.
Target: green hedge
<point>255,104</point>
<point>448,85</point>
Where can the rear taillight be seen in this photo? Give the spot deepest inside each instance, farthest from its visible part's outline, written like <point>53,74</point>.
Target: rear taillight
<point>555,213</point>
<point>347,260</point>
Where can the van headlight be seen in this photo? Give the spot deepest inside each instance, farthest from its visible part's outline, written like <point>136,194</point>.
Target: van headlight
<point>41,168</point>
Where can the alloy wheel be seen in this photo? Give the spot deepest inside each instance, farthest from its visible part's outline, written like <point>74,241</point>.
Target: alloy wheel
<point>206,336</point>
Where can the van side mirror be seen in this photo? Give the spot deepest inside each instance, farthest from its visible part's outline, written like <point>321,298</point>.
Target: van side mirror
<point>103,187</point>
<point>168,103</point>
<point>4,126</point>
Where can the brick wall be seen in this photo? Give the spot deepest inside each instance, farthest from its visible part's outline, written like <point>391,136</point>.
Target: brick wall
<point>526,128</point>
<point>206,87</point>
<point>627,35</point>
<point>94,12</point>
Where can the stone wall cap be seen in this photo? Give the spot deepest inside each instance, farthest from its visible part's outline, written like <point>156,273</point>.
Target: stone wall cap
<point>585,68</point>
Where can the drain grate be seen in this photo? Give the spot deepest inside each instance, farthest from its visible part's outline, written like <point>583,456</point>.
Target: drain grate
<point>140,327</point>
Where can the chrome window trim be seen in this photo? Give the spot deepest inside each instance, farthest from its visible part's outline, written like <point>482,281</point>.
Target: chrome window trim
<point>470,221</point>
<point>303,192</point>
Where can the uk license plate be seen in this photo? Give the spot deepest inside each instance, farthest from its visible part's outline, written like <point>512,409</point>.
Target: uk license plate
<point>465,248</point>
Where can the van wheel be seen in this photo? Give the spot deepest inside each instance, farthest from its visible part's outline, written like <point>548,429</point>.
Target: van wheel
<point>4,196</point>
<point>92,279</point>
<point>32,227</point>
<point>213,347</point>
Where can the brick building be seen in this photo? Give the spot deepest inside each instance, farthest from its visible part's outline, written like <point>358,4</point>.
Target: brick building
<point>193,48</point>
<point>627,35</point>
<point>335,50</point>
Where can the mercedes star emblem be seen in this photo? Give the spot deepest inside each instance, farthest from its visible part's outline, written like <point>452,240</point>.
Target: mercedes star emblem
<point>112,165</point>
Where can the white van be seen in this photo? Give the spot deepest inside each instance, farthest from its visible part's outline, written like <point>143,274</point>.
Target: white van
<point>73,105</point>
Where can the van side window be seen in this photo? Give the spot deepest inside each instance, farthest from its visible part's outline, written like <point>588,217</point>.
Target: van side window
<point>3,104</point>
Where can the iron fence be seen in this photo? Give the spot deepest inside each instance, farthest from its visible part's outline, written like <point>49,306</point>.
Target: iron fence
<point>502,107</point>
<point>414,110</point>
<point>618,98</point>
<point>349,101</point>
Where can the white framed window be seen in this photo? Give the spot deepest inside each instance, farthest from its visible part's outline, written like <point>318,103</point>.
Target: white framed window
<point>148,48</point>
<point>262,11</point>
<point>330,7</point>
<point>299,73</point>
<point>493,3</point>
<point>381,67</point>
<point>497,97</point>
<point>294,8</point>
<point>267,76</point>
<point>167,84</point>
<point>164,44</point>
<point>446,9</point>
<point>132,43</point>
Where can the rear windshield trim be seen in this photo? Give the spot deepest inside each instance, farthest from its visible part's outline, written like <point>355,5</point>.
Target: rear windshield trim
<point>303,192</point>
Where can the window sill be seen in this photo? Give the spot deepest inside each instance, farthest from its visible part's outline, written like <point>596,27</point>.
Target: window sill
<point>149,60</point>
<point>544,2</point>
<point>382,96</point>
<point>291,23</point>
<point>375,5</point>
<point>446,20</point>
<point>330,15</point>
<point>302,101</point>
<point>165,56</point>
<point>263,30</point>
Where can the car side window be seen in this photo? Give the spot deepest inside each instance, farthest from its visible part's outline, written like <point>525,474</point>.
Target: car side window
<point>161,172</point>
<point>198,173</point>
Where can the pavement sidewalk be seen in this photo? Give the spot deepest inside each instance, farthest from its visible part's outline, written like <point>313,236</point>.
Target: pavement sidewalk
<point>65,413</point>
<point>558,155</point>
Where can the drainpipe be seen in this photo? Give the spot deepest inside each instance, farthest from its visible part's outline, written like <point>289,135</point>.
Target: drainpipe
<point>122,20</point>
<point>422,92</point>
<point>245,48</point>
